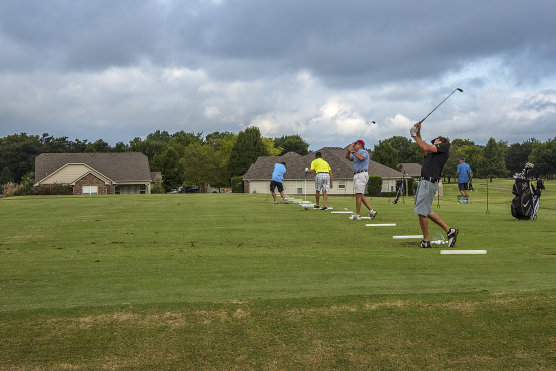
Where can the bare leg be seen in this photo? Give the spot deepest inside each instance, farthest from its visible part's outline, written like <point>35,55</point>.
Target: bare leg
<point>435,218</point>
<point>317,196</point>
<point>325,197</point>
<point>424,223</point>
<point>366,202</point>
<point>274,196</point>
<point>283,196</point>
<point>358,203</point>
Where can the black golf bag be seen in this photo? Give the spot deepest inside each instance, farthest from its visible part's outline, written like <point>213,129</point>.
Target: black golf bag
<point>525,204</point>
<point>400,190</point>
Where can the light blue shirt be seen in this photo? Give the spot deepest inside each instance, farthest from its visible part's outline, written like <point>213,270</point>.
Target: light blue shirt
<point>360,165</point>
<point>278,173</point>
<point>463,172</point>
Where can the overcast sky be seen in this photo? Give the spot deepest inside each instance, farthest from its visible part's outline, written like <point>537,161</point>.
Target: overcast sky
<point>119,69</point>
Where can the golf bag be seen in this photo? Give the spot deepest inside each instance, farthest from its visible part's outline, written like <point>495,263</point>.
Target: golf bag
<point>400,190</point>
<point>526,202</point>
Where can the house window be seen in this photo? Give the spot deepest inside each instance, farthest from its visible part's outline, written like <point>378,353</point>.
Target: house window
<point>90,190</point>
<point>299,187</point>
<point>142,189</point>
<point>341,184</point>
<point>117,190</point>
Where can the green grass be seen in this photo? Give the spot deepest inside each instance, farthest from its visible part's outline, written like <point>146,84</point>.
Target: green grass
<point>233,281</point>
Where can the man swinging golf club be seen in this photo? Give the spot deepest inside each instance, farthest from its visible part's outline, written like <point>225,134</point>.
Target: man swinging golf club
<point>356,152</point>
<point>436,155</point>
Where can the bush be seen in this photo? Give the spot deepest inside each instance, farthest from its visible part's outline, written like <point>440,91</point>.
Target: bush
<point>10,189</point>
<point>374,187</point>
<point>237,184</point>
<point>54,189</point>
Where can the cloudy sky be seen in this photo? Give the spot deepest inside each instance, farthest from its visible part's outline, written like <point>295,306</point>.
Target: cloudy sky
<point>118,69</point>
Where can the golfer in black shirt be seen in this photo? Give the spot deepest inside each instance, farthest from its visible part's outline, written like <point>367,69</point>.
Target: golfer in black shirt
<point>436,155</point>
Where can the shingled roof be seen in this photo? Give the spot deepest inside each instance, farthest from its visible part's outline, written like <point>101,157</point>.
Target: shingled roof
<point>118,166</point>
<point>296,164</point>
<point>411,168</point>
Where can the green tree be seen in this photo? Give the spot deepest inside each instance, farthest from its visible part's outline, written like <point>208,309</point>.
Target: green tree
<point>18,152</point>
<point>517,155</point>
<point>543,156</point>
<point>184,139</point>
<point>200,165</point>
<point>292,143</point>
<point>248,147</point>
<point>6,176</point>
<point>385,154</point>
<point>169,166</point>
<point>407,150</point>
<point>270,148</point>
<point>494,159</point>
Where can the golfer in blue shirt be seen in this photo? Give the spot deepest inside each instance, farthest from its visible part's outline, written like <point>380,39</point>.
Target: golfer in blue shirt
<point>464,175</point>
<point>277,179</point>
<point>356,152</point>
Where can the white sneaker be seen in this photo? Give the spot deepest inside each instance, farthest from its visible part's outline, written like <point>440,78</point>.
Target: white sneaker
<point>372,214</point>
<point>355,217</point>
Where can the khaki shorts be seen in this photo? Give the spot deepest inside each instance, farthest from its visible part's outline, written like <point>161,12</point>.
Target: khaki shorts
<point>360,181</point>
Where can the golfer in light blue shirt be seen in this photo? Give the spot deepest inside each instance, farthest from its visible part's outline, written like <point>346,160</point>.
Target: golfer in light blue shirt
<point>464,175</point>
<point>276,181</point>
<point>356,152</point>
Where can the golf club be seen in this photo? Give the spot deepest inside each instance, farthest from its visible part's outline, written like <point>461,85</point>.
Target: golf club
<point>456,89</point>
<point>370,123</point>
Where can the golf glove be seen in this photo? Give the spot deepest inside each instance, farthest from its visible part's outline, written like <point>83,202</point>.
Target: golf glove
<point>306,169</point>
<point>413,131</point>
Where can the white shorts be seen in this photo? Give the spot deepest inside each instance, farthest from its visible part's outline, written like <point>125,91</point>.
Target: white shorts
<point>360,181</point>
<point>322,182</point>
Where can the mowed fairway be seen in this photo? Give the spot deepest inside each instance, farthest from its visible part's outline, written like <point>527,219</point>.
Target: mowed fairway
<point>232,281</point>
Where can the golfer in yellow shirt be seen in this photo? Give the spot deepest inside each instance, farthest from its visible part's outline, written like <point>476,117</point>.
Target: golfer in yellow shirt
<point>323,179</point>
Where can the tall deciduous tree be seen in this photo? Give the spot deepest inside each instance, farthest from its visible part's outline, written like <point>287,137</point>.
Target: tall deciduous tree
<point>408,151</point>
<point>494,154</point>
<point>543,156</point>
<point>385,154</point>
<point>517,155</point>
<point>248,147</point>
<point>292,143</point>
<point>6,176</point>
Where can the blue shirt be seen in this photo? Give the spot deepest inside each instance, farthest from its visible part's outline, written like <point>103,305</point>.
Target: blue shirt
<point>278,173</point>
<point>360,165</point>
<point>463,172</point>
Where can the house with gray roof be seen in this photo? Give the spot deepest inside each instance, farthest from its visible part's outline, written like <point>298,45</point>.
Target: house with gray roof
<point>96,173</point>
<point>296,181</point>
<point>412,169</point>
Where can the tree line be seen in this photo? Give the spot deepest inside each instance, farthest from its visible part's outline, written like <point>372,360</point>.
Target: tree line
<point>183,158</point>
<point>214,159</point>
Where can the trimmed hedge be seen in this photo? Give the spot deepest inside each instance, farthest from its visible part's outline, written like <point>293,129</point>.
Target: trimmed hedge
<point>374,187</point>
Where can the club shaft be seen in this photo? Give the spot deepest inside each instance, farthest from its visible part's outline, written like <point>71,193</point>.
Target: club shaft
<point>444,100</point>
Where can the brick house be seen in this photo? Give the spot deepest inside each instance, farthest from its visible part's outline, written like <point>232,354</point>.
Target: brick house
<point>96,173</point>
<point>257,178</point>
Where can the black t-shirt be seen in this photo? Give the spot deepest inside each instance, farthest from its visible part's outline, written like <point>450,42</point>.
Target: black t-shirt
<point>434,161</point>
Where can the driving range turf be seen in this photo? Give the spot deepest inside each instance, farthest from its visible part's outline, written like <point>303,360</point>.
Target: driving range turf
<point>232,281</point>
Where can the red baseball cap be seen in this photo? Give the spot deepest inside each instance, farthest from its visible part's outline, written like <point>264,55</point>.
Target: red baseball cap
<point>361,142</point>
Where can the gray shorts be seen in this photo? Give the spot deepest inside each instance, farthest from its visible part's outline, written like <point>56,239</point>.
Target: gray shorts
<point>322,182</point>
<point>425,197</point>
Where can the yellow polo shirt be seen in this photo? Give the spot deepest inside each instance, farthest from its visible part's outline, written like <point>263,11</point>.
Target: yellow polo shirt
<point>320,166</point>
